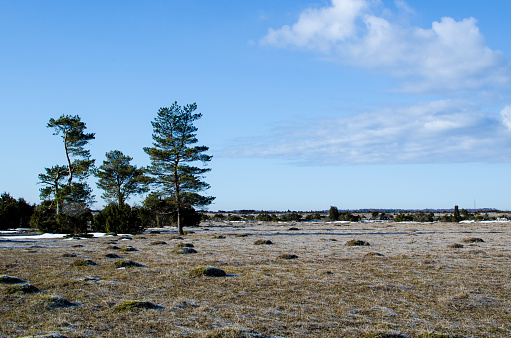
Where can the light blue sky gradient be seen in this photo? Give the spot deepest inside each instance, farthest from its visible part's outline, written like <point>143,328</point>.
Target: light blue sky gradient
<point>306,104</point>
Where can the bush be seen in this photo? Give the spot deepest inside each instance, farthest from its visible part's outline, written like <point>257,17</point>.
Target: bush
<point>119,219</point>
<point>73,219</point>
<point>14,213</point>
<point>160,212</point>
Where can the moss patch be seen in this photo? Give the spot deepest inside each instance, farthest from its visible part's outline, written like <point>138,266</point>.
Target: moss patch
<point>128,248</point>
<point>4,279</point>
<point>473,240</point>
<point>52,302</point>
<point>207,271</point>
<point>127,263</point>
<point>263,242</point>
<point>356,242</point>
<point>455,246</point>
<point>131,305</point>
<point>158,243</point>
<point>185,245</point>
<point>185,251</point>
<point>22,289</point>
<point>84,262</point>
<point>112,255</point>
<point>288,256</point>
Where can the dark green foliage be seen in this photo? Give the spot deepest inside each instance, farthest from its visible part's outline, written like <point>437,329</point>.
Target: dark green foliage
<point>172,155</point>
<point>456,217</point>
<point>74,218</point>
<point>122,219</point>
<point>313,217</point>
<point>291,217</point>
<point>333,214</point>
<point>160,212</point>
<point>234,218</point>
<point>68,183</point>
<point>119,179</point>
<point>347,216</point>
<point>14,213</point>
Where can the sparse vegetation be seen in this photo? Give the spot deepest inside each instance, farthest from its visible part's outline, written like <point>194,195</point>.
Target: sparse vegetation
<point>419,288</point>
<point>357,242</point>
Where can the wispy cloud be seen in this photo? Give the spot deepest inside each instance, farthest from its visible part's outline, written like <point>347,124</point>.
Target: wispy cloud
<point>449,55</point>
<point>436,132</point>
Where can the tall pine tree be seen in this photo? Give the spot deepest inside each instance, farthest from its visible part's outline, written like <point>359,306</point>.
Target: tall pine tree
<point>173,156</point>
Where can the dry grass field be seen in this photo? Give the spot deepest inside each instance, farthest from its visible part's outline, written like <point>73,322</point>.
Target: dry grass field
<point>412,280</point>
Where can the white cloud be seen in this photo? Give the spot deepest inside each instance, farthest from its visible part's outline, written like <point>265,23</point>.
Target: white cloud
<point>436,132</point>
<point>319,28</point>
<point>506,116</point>
<point>449,55</point>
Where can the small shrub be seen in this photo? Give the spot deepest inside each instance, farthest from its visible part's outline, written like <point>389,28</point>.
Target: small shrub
<point>4,279</point>
<point>128,248</point>
<point>185,251</point>
<point>455,246</point>
<point>52,302</point>
<point>119,219</point>
<point>288,256</point>
<point>373,254</point>
<point>83,262</point>
<point>113,247</point>
<point>68,255</point>
<point>22,289</point>
<point>207,271</point>
<point>185,245</point>
<point>112,255</point>
<point>473,240</point>
<point>159,243</point>
<point>263,242</point>
<point>218,237</point>
<point>242,235</point>
<point>127,263</point>
<point>131,305</point>
<point>357,242</point>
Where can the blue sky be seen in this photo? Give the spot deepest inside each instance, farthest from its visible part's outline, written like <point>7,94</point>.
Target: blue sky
<point>306,104</point>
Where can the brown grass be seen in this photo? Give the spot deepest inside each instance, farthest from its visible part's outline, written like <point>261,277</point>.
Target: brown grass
<point>418,288</point>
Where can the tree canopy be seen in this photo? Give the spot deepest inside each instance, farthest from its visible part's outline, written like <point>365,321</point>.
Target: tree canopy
<point>119,179</point>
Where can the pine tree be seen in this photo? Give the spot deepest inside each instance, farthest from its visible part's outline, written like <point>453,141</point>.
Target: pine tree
<point>173,155</point>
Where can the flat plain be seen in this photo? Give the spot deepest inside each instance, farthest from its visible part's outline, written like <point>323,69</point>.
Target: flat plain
<point>300,280</point>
